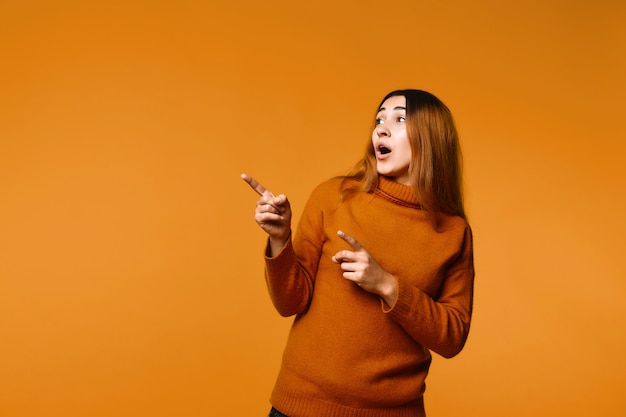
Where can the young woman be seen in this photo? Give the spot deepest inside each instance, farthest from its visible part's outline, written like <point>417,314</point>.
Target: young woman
<point>379,272</point>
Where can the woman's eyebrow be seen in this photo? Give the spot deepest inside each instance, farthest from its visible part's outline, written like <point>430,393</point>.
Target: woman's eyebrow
<point>395,108</point>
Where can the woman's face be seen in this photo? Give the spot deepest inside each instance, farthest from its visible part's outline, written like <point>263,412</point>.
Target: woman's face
<point>391,144</point>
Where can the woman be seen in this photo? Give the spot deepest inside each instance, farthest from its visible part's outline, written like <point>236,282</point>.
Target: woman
<point>379,272</point>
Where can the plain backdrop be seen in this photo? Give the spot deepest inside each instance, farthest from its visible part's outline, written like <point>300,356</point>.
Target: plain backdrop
<point>131,270</point>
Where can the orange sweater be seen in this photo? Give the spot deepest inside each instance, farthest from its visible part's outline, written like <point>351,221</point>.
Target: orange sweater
<point>348,354</point>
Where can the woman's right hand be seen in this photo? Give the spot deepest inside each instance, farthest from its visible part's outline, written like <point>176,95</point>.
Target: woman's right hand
<point>273,214</point>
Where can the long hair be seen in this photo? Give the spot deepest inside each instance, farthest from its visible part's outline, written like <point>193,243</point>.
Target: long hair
<point>435,170</point>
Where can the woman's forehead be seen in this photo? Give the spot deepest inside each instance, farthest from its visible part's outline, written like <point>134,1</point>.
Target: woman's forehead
<point>394,103</point>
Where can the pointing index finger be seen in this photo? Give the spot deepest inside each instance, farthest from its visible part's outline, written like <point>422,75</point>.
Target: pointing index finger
<point>255,185</point>
<point>354,244</point>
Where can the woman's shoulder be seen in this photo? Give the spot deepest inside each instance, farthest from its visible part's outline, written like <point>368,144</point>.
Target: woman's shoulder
<point>449,223</point>
<point>335,185</point>
<point>329,193</point>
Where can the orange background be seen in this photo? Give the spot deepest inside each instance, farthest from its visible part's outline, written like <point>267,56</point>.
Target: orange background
<point>130,265</point>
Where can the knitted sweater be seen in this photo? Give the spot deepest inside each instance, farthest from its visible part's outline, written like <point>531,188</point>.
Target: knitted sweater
<point>349,354</point>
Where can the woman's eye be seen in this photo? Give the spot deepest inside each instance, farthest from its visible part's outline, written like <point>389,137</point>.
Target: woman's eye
<point>379,121</point>
<point>402,119</point>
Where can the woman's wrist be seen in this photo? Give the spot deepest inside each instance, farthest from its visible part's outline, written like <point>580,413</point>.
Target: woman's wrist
<point>389,292</point>
<point>277,244</point>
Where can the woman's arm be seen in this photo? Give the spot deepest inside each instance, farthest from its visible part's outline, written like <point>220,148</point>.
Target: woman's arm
<point>291,261</point>
<point>291,273</point>
<point>440,324</point>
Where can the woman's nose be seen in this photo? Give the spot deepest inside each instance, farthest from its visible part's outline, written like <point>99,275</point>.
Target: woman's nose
<point>381,130</point>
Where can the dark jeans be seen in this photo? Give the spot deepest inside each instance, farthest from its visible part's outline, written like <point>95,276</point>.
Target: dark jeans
<point>275,413</point>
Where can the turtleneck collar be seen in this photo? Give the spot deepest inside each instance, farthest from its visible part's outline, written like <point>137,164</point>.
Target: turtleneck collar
<point>396,192</point>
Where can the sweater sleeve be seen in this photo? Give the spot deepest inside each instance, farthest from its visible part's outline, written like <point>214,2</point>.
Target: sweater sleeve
<point>440,324</point>
<point>290,275</point>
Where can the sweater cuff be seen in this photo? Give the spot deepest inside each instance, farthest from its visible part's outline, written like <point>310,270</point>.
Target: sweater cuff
<point>282,260</point>
<point>402,306</point>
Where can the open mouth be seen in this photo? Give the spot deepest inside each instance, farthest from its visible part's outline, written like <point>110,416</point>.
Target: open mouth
<point>383,150</point>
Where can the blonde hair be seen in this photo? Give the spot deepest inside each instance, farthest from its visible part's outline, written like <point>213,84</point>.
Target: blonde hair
<point>435,171</point>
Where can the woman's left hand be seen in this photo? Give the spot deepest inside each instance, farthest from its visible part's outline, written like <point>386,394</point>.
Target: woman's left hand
<point>361,268</point>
